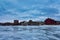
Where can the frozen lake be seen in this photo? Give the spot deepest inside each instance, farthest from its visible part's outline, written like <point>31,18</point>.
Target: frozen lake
<point>30,32</point>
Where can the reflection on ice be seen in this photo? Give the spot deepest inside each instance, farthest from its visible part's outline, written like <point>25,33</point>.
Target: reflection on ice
<point>29,32</point>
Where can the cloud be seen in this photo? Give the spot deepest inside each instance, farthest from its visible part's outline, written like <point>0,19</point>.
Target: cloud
<point>58,14</point>
<point>29,9</point>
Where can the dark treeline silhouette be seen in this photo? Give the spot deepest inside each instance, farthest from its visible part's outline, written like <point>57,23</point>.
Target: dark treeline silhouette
<point>48,21</point>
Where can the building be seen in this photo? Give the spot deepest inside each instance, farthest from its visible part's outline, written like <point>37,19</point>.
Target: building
<point>50,21</point>
<point>57,22</point>
<point>33,22</point>
<point>24,23</point>
<point>16,22</point>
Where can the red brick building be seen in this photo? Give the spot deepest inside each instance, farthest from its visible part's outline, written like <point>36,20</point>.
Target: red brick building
<point>49,21</point>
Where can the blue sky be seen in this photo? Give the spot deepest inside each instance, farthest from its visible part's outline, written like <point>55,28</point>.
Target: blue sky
<point>29,10</point>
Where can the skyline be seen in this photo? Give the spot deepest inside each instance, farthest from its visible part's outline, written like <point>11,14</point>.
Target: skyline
<point>29,10</point>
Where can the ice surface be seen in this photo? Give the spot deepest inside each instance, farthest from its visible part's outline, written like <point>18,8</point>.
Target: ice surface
<point>44,32</point>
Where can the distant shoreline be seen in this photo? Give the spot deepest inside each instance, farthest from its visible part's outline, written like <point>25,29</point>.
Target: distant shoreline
<point>48,21</point>
<point>29,25</point>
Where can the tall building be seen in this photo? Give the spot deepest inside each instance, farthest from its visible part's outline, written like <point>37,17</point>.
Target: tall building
<point>16,22</point>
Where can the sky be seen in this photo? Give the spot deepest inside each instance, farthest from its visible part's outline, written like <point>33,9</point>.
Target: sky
<point>37,10</point>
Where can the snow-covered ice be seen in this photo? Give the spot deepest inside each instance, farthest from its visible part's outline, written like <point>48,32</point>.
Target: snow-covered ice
<point>43,32</point>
